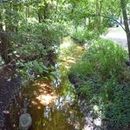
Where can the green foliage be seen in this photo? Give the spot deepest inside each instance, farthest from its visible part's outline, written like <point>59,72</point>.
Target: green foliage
<point>84,35</point>
<point>103,80</point>
<point>106,57</point>
<point>32,69</point>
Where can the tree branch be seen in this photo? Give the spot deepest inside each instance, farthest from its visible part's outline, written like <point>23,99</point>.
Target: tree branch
<point>95,15</point>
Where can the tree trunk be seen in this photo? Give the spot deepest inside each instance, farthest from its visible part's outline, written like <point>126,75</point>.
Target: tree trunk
<point>98,13</point>
<point>5,48</point>
<point>1,25</point>
<point>124,12</point>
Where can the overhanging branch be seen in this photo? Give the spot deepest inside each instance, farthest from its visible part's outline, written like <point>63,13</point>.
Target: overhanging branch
<point>95,15</point>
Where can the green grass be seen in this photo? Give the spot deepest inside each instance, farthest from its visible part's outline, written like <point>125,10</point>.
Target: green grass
<point>104,80</point>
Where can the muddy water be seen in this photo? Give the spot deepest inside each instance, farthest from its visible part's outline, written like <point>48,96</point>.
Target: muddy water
<point>51,109</point>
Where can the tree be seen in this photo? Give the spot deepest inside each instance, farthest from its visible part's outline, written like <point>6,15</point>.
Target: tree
<point>5,47</point>
<point>123,4</point>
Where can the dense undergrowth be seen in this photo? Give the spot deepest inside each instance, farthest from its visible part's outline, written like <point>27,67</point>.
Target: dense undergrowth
<point>36,48</point>
<point>102,79</point>
<point>86,35</point>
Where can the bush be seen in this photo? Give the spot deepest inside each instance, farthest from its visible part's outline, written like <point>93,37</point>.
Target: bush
<point>36,47</point>
<point>82,36</point>
<point>103,80</point>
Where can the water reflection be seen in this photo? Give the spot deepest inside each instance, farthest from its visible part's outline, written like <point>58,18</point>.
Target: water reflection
<point>51,110</point>
<point>47,113</point>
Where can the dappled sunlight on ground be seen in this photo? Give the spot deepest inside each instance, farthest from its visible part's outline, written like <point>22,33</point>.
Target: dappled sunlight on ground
<point>46,99</point>
<point>69,52</point>
<point>45,93</point>
<point>42,97</point>
<point>66,43</point>
<point>49,110</point>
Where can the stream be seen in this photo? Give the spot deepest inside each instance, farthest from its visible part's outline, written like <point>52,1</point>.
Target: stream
<point>52,104</point>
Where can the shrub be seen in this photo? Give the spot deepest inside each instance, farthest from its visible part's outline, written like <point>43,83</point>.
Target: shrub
<point>103,80</point>
<point>36,47</point>
<point>82,36</point>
